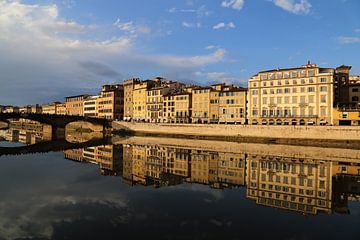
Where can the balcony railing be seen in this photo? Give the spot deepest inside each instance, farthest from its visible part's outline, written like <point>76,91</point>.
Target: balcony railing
<point>288,116</point>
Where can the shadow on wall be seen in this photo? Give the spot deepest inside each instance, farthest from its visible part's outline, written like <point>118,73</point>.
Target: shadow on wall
<point>84,127</point>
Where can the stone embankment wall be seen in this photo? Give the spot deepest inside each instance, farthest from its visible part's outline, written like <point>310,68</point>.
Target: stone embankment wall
<point>253,131</point>
<point>306,152</point>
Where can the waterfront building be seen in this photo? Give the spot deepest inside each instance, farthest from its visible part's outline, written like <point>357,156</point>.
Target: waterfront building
<point>302,185</point>
<point>50,108</point>
<point>75,105</point>
<point>90,106</point>
<point>11,109</point>
<point>155,98</point>
<point>128,97</point>
<point>346,116</point>
<point>205,103</point>
<point>304,95</point>
<point>354,91</point>
<point>74,155</point>
<point>60,108</point>
<point>110,104</point>
<point>25,109</point>
<point>36,109</point>
<point>140,99</point>
<point>177,107</point>
<point>232,105</point>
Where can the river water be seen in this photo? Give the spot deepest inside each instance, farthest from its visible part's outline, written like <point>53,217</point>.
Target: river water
<point>153,188</point>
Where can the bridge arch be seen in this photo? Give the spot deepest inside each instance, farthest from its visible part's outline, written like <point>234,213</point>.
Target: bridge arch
<point>58,123</point>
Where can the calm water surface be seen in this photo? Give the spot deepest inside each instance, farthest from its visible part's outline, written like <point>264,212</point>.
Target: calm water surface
<point>139,191</point>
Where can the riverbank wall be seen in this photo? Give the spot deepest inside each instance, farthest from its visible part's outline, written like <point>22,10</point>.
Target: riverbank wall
<point>321,136</point>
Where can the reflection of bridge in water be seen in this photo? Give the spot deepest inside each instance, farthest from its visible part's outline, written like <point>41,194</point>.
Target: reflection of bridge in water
<point>51,146</point>
<point>57,122</point>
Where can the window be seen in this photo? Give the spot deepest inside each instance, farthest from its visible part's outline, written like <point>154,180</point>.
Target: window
<point>355,99</point>
<point>323,80</point>
<point>311,99</point>
<point>303,81</point>
<point>323,111</point>
<point>302,89</point>
<point>355,90</point>
<point>278,90</point>
<point>323,89</point>
<point>279,100</point>
<point>323,98</point>
<point>302,99</point>
<point>294,99</point>
<point>264,91</point>
<point>272,100</point>
<point>294,90</point>
<point>287,90</point>
<point>254,112</point>
<point>311,89</point>
<point>264,100</point>
<point>254,101</point>
<point>311,111</point>
<point>287,100</point>
<point>311,73</point>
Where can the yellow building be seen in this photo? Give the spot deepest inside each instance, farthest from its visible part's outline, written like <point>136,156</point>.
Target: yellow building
<point>128,97</point>
<point>302,185</point>
<point>75,105</point>
<point>304,95</point>
<point>60,109</point>
<point>232,105</point>
<point>50,108</point>
<point>177,108</point>
<point>139,100</point>
<point>154,103</point>
<point>205,105</point>
<point>350,116</point>
<point>110,103</point>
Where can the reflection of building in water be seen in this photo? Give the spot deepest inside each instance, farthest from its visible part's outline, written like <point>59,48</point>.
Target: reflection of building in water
<point>74,155</point>
<point>109,158</point>
<point>346,185</point>
<point>161,166</point>
<point>27,132</point>
<point>302,185</point>
<point>218,169</point>
<point>10,135</point>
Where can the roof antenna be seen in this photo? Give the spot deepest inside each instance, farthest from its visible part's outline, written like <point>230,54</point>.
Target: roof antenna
<point>308,62</point>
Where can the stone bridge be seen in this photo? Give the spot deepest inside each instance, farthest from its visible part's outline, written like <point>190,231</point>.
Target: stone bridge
<point>52,146</point>
<point>57,122</point>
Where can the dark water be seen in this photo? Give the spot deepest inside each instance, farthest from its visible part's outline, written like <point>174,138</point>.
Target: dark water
<point>138,191</point>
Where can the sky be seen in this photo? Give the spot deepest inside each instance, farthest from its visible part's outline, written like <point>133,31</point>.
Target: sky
<point>53,49</point>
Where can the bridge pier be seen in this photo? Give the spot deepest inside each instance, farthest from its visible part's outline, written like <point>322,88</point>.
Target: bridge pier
<point>57,133</point>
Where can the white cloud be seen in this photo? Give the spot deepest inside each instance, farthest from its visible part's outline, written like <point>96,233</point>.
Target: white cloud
<point>294,6</point>
<point>235,4</point>
<point>200,12</point>
<point>224,25</point>
<point>349,40</point>
<point>191,25</point>
<point>131,28</point>
<point>43,53</point>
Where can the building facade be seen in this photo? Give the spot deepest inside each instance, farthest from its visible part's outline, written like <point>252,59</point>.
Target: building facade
<point>110,104</point>
<point>293,96</point>
<point>75,105</point>
<point>60,109</point>
<point>90,106</point>
<point>128,97</point>
<point>232,105</point>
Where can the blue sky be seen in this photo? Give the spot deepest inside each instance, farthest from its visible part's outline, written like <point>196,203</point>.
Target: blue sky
<point>51,49</point>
